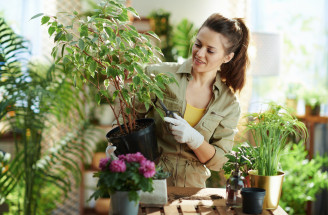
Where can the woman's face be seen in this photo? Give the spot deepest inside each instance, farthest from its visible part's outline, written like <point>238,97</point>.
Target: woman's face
<point>208,51</point>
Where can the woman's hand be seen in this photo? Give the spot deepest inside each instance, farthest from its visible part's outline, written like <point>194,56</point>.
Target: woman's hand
<point>183,132</point>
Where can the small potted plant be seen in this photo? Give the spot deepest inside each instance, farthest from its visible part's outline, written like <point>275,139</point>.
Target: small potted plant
<point>270,131</point>
<point>313,98</point>
<point>99,153</point>
<point>159,195</point>
<point>239,159</point>
<point>106,52</point>
<point>123,179</point>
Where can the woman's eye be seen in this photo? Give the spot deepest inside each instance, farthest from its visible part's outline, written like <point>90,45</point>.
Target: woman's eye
<point>197,45</point>
<point>209,51</point>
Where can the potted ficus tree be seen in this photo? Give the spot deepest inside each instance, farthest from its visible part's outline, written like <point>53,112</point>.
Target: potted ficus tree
<point>270,131</point>
<point>105,50</point>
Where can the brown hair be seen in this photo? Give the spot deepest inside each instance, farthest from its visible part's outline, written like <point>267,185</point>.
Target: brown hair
<point>237,33</point>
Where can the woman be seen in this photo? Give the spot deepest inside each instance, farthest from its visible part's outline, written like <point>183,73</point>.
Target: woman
<point>198,140</point>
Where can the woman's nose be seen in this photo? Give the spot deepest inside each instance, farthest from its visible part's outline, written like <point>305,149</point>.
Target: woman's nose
<point>201,52</point>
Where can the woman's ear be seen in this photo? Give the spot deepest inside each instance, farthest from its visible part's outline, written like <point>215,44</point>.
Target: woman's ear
<point>228,57</point>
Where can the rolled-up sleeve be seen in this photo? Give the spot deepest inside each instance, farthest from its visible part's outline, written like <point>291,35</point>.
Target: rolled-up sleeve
<point>222,138</point>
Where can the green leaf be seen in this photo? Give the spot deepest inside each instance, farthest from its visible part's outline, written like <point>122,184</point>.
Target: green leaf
<point>45,19</point>
<point>136,80</point>
<point>51,30</point>
<point>118,41</point>
<point>75,12</point>
<point>151,33</point>
<point>69,37</point>
<point>93,66</point>
<point>58,36</point>
<point>98,98</point>
<point>81,44</point>
<point>63,49</point>
<point>133,11</point>
<point>109,31</point>
<point>106,83</point>
<point>37,15</point>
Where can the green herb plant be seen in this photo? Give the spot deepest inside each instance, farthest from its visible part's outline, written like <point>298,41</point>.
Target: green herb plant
<point>270,130</point>
<point>105,50</point>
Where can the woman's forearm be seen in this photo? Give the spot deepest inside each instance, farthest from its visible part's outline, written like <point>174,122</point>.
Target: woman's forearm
<point>205,152</point>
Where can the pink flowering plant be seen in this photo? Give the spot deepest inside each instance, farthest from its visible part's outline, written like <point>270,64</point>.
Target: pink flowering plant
<point>130,172</point>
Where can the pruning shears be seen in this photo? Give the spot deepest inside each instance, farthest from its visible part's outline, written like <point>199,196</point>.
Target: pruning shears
<point>168,113</point>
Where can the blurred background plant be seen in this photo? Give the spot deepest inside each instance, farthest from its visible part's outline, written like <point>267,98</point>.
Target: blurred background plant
<point>183,37</point>
<point>303,178</point>
<point>50,130</point>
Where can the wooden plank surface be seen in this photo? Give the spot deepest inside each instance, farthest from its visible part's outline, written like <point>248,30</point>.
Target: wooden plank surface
<point>153,211</point>
<point>204,210</point>
<point>198,201</point>
<point>171,209</point>
<point>188,210</point>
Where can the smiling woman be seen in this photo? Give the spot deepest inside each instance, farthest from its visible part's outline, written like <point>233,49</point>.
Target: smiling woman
<point>208,81</point>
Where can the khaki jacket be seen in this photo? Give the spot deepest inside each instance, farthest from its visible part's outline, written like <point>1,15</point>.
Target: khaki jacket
<point>218,126</point>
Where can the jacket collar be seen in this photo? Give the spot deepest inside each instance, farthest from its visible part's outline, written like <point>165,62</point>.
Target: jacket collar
<point>186,67</point>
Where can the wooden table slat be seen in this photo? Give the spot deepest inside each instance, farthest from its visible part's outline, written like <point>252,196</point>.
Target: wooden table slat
<point>171,209</point>
<point>188,209</point>
<point>206,210</point>
<point>153,211</point>
<point>196,201</point>
<point>279,211</point>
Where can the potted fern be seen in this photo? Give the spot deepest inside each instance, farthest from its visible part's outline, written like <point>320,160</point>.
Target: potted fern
<point>270,131</point>
<point>104,50</point>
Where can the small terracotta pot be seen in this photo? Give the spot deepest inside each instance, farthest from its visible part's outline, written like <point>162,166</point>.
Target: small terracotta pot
<point>102,205</point>
<point>96,158</point>
<point>309,111</point>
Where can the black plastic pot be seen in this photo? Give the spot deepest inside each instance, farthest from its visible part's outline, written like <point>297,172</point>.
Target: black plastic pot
<point>252,200</point>
<point>143,141</point>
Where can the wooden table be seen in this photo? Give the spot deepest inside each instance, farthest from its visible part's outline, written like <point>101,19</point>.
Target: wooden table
<point>197,201</point>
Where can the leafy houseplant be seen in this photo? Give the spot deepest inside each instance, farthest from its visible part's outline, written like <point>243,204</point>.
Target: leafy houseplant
<point>304,180</point>
<point>108,51</point>
<point>41,98</point>
<point>239,159</point>
<point>270,131</point>
<point>312,99</point>
<point>183,34</point>
<point>130,172</point>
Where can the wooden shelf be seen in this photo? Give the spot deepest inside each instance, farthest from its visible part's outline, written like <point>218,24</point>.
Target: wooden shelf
<point>310,122</point>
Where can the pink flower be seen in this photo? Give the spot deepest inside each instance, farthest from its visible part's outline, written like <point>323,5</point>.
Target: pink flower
<point>137,157</point>
<point>147,168</point>
<point>103,162</point>
<point>117,166</point>
<point>121,157</point>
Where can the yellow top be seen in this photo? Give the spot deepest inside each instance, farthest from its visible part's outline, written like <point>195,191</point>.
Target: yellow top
<point>193,115</point>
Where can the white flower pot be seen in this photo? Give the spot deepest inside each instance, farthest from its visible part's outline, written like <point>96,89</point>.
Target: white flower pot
<point>158,196</point>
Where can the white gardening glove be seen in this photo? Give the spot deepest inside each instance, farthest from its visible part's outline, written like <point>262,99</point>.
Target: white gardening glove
<point>110,152</point>
<point>183,132</point>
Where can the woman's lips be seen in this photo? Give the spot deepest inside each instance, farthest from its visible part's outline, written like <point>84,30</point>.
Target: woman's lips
<point>198,62</point>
